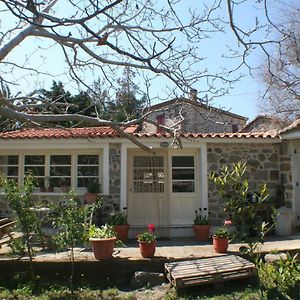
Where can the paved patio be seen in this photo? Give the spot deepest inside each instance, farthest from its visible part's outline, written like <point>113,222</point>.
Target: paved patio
<point>174,249</point>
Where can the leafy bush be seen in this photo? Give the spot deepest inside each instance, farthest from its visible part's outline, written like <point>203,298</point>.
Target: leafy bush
<point>234,188</point>
<point>20,201</point>
<point>281,279</point>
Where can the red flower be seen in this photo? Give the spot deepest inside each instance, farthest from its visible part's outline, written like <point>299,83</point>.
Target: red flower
<point>151,228</point>
<point>227,222</point>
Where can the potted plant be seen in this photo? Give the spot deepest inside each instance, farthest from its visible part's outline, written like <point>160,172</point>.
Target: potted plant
<point>220,240</point>
<point>201,225</point>
<point>147,242</point>
<point>64,185</point>
<point>93,188</point>
<point>120,224</point>
<point>103,241</point>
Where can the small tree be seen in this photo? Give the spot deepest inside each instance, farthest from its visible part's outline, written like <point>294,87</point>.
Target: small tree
<point>20,201</point>
<point>72,228</point>
<point>234,188</point>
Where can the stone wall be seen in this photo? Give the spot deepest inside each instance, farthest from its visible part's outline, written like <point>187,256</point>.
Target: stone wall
<point>263,166</point>
<point>115,171</point>
<point>286,178</point>
<point>196,119</point>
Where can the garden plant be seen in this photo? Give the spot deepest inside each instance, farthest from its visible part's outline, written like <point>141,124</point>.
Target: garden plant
<point>21,203</point>
<point>69,219</point>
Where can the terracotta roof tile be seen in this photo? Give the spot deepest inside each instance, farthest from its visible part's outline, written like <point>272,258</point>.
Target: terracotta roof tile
<point>57,133</point>
<point>240,135</point>
<point>102,132</point>
<point>293,126</point>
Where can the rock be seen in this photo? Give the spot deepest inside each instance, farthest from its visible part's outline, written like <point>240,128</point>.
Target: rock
<point>147,279</point>
<point>270,258</point>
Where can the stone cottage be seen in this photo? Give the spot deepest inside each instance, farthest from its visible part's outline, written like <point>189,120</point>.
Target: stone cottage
<point>164,185</point>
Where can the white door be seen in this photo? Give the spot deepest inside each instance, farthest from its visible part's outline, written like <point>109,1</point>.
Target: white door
<point>147,189</point>
<point>184,188</point>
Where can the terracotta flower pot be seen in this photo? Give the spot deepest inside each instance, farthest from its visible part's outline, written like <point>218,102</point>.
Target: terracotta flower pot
<point>220,244</point>
<point>103,248</point>
<point>147,249</point>
<point>90,198</point>
<point>201,232</point>
<point>122,232</point>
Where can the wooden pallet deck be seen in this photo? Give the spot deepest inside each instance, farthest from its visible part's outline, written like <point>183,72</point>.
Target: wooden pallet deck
<point>209,270</point>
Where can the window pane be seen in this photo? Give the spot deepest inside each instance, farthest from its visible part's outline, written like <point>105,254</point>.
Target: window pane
<point>88,159</point>
<point>183,161</point>
<point>88,171</point>
<point>183,174</point>
<point>9,160</point>
<point>9,166</point>
<point>60,159</point>
<point>11,171</point>
<point>84,181</point>
<point>34,160</point>
<point>183,187</point>
<point>58,181</point>
<point>148,174</point>
<point>35,171</point>
<point>60,171</point>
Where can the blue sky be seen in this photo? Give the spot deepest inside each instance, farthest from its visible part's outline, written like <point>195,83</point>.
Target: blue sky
<point>242,99</point>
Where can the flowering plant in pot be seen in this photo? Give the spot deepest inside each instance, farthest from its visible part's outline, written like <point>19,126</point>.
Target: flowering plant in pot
<point>147,242</point>
<point>220,240</point>
<point>201,225</point>
<point>103,240</point>
<point>120,224</point>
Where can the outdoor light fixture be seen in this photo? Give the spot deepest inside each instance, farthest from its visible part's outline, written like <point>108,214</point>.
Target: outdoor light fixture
<point>164,144</point>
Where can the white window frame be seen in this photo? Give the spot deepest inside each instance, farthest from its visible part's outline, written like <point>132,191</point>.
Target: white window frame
<point>74,158</point>
<point>183,180</point>
<point>9,165</point>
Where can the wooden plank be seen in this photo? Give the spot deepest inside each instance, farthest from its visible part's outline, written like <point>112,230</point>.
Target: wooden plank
<point>4,221</point>
<point>8,238</point>
<point>7,225</point>
<point>207,262</point>
<point>198,268</point>
<point>209,270</point>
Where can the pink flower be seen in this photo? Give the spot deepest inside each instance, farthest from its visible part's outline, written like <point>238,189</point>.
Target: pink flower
<point>151,228</point>
<point>227,222</point>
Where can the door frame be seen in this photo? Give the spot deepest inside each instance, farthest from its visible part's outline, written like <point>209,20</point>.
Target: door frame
<point>159,152</point>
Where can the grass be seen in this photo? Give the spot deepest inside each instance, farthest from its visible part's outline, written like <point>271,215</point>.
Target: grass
<point>56,292</point>
<point>250,293</point>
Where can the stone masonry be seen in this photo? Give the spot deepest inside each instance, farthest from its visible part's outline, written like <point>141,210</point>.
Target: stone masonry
<point>196,118</point>
<point>286,178</point>
<point>263,166</point>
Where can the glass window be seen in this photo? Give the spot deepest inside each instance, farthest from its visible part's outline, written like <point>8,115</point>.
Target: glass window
<point>148,174</point>
<point>35,165</point>
<point>87,169</point>
<point>9,166</point>
<point>60,170</point>
<point>183,174</point>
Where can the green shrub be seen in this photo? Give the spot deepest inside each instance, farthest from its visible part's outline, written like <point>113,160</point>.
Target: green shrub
<point>281,279</point>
